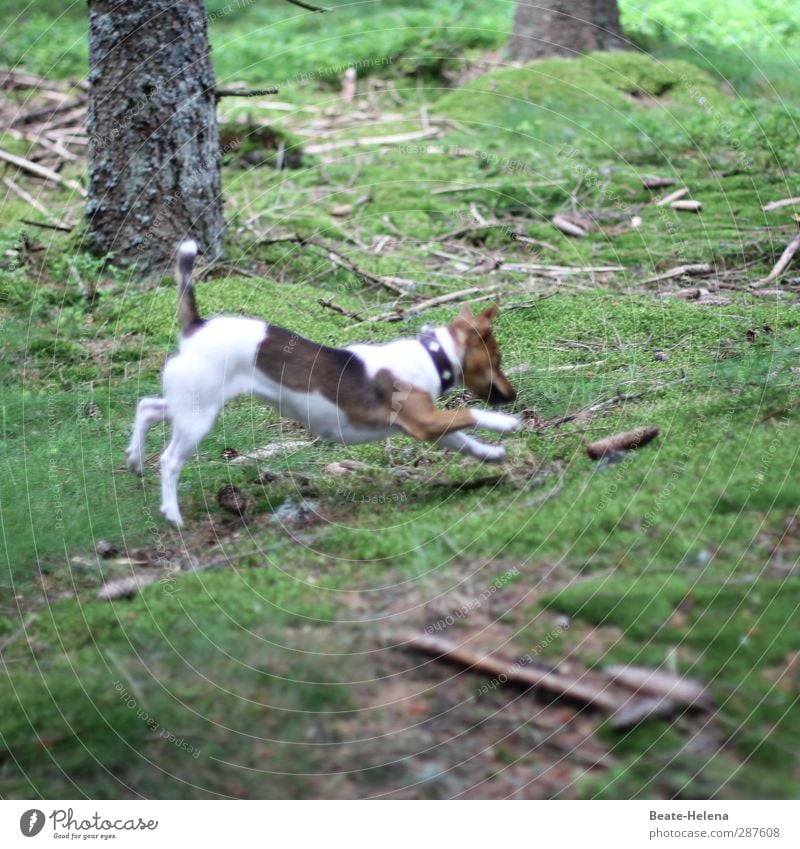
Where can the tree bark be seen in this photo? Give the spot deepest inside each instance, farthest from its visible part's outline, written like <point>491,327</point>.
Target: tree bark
<point>154,153</point>
<point>564,28</point>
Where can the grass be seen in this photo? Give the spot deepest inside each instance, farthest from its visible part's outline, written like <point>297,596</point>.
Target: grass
<point>270,671</point>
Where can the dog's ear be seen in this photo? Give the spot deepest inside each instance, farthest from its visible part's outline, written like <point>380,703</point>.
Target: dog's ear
<point>462,325</point>
<point>482,323</point>
<point>490,314</point>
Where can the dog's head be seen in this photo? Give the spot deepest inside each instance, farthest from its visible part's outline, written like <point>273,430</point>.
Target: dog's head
<point>480,360</point>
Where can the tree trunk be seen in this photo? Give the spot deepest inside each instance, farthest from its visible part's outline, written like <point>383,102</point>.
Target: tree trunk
<point>564,28</point>
<point>154,154</point>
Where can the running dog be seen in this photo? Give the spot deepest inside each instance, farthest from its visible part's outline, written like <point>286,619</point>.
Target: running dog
<point>360,393</point>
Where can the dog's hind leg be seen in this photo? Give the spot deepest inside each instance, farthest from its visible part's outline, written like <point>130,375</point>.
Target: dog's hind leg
<point>187,434</point>
<point>150,411</point>
<point>464,444</point>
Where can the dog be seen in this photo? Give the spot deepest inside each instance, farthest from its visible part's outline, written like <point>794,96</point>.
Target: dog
<point>360,393</point>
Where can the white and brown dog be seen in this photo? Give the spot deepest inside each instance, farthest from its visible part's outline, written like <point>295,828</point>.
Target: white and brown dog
<point>348,395</point>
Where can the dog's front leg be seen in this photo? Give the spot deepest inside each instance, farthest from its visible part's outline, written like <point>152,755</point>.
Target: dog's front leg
<point>459,441</point>
<point>415,412</point>
<point>500,422</point>
<point>150,411</point>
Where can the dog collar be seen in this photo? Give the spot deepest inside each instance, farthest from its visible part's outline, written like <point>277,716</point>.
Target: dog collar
<point>440,359</point>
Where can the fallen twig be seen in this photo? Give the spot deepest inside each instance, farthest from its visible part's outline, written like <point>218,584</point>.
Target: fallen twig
<point>400,312</point>
<point>782,264</point>
<point>307,6</point>
<point>659,682</point>
<point>779,204</point>
<point>585,412</point>
<point>47,112</point>
<point>18,633</point>
<point>697,270</point>
<point>527,240</point>
<point>46,226</point>
<point>398,285</point>
<point>40,171</point>
<point>626,441</point>
<point>54,147</point>
<point>586,686</point>
<point>779,412</point>
<point>253,92</point>
<point>490,184</point>
<point>366,141</point>
<point>698,294</point>
<point>686,205</point>
<point>630,694</point>
<point>28,198</point>
<point>129,586</point>
<point>566,226</point>
<point>562,270</point>
<point>330,305</point>
<point>658,182</point>
<point>672,197</point>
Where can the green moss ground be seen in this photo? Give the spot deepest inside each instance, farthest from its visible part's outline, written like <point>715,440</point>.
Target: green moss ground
<point>271,664</point>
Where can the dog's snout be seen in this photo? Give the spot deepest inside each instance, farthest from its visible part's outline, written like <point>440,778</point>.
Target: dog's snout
<point>497,397</point>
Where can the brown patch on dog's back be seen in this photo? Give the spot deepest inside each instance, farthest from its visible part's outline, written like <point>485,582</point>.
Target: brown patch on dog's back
<point>336,373</point>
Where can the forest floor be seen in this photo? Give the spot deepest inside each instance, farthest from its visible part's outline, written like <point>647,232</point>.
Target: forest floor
<point>268,656</point>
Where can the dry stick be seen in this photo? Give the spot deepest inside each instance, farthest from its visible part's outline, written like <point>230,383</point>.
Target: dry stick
<point>562,269</point>
<point>588,687</point>
<point>658,182</point>
<point>307,6</point>
<point>28,198</point>
<point>626,441</point>
<point>686,205</point>
<point>671,198</point>
<point>11,79</point>
<point>697,270</point>
<point>779,204</point>
<point>492,185</point>
<point>330,305</point>
<point>47,112</point>
<point>45,226</point>
<point>54,147</point>
<point>609,402</point>
<point>18,633</point>
<point>394,284</point>
<point>366,141</point>
<point>40,171</point>
<point>397,314</point>
<point>526,240</point>
<point>565,226</point>
<point>663,684</point>
<point>780,411</point>
<point>253,92</point>
<point>476,214</point>
<point>468,228</point>
<point>782,264</point>
<point>69,120</point>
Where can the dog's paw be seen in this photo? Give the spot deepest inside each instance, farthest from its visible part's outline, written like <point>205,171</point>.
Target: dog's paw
<point>500,422</point>
<point>492,453</point>
<point>172,514</point>
<point>134,461</point>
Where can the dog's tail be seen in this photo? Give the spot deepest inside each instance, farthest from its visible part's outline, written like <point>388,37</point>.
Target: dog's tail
<point>187,306</point>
